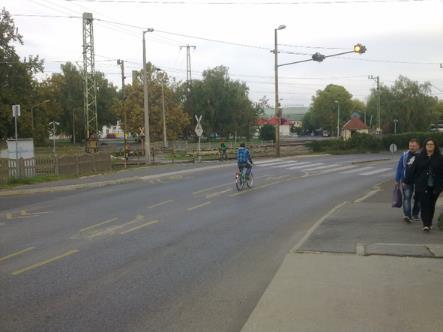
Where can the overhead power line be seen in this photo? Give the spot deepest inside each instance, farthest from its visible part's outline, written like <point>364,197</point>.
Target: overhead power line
<point>252,3</point>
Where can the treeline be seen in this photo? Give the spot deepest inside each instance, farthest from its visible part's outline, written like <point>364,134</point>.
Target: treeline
<point>409,102</point>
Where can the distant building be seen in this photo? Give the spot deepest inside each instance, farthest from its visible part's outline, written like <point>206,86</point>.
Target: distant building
<point>114,131</point>
<point>355,125</point>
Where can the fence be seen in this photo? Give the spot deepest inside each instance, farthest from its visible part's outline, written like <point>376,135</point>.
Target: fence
<point>73,165</point>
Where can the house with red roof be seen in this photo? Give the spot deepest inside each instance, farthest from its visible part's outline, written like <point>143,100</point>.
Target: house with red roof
<point>285,124</point>
<point>355,125</point>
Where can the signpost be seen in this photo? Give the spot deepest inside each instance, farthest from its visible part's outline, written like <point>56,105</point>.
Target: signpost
<point>16,114</point>
<point>54,131</point>
<point>198,131</point>
<point>393,148</point>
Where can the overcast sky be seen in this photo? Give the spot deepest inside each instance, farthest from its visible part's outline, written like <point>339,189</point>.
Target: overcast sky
<point>402,38</point>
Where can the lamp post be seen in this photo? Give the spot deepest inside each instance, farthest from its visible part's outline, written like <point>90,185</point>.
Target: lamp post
<point>395,126</point>
<point>377,79</point>
<point>338,118</point>
<point>277,101</point>
<point>146,105</point>
<point>32,113</point>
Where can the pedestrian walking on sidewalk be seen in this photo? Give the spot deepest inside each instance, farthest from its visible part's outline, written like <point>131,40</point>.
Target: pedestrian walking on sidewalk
<point>406,160</point>
<point>426,172</point>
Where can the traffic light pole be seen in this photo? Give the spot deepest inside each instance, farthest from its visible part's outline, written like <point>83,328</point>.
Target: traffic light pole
<point>277,102</point>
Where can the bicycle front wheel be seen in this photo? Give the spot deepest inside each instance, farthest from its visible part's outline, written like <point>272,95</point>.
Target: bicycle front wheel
<point>250,181</point>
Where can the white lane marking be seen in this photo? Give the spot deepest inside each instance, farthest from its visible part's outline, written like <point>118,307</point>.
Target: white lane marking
<point>358,170</point>
<point>304,166</point>
<point>289,165</point>
<point>277,163</point>
<point>320,167</point>
<point>382,170</point>
<point>336,169</point>
<point>266,161</point>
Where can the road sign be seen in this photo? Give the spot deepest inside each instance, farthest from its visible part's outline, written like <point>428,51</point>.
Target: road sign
<point>198,130</point>
<point>15,110</point>
<point>393,148</point>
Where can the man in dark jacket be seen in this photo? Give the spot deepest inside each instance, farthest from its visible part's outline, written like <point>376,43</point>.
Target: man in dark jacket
<point>426,173</point>
<point>406,160</point>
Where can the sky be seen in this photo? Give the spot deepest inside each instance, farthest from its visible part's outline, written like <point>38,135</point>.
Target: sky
<point>402,38</point>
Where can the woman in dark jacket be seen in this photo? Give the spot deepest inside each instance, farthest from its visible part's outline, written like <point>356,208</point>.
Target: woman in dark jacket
<point>427,174</point>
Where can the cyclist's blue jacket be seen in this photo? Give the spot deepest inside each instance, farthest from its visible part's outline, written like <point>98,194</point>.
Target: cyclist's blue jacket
<point>243,156</point>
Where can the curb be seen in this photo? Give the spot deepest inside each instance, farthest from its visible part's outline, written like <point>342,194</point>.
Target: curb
<point>369,161</point>
<point>30,191</point>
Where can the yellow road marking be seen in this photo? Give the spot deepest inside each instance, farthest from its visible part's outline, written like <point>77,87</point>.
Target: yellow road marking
<point>218,193</point>
<point>161,203</point>
<point>210,188</point>
<point>99,224</point>
<point>112,229</point>
<point>47,261</point>
<point>198,206</point>
<point>16,253</point>
<point>138,227</point>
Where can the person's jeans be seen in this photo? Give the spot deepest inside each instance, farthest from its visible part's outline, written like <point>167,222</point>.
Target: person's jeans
<point>408,210</point>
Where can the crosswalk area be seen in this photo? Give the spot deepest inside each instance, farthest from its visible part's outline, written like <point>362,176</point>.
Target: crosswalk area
<point>318,167</point>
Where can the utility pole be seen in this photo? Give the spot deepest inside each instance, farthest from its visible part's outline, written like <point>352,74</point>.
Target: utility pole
<point>122,67</point>
<point>89,83</point>
<point>277,100</point>
<point>377,79</point>
<point>188,62</point>
<point>165,141</point>
<point>146,104</point>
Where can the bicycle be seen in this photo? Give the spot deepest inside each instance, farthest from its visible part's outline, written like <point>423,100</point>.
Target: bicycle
<point>241,179</point>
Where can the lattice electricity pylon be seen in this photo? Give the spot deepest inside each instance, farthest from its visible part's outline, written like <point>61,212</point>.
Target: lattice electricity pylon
<point>89,84</point>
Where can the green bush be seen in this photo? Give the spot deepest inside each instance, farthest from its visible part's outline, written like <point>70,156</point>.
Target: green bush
<point>365,143</point>
<point>267,133</point>
<point>357,143</point>
<point>402,140</point>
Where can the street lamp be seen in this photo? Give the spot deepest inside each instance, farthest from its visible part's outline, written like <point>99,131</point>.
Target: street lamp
<point>338,118</point>
<point>395,126</point>
<point>165,141</point>
<point>146,106</point>
<point>32,113</point>
<point>277,101</point>
<point>377,79</point>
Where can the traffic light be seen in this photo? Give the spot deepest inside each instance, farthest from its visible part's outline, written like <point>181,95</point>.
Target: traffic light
<point>318,57</point>
<point>359,48</point>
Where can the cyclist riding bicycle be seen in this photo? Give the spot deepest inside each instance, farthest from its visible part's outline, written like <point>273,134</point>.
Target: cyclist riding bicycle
<point>244,159</point>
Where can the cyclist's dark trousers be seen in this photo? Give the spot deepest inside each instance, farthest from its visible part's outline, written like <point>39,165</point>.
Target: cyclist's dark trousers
<point>248,167</point>
<point>427,206</point>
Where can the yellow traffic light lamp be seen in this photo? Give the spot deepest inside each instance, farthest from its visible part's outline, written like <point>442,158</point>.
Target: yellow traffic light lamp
<point>359,48</point>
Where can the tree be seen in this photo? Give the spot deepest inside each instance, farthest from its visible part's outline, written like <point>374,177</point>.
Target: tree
<point>16,79</point>
<point>223,103</point>
<point>323,110</point>
<point>176,119</point>
<point>407,101</point>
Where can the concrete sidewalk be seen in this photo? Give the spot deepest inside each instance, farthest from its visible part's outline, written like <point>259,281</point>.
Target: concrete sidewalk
<point>361,268</point>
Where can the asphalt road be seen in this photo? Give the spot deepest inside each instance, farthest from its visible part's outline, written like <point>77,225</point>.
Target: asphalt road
<point>182,253</point>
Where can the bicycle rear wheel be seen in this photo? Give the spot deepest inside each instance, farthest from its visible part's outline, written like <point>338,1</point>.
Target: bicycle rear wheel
<point>239,183</point>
